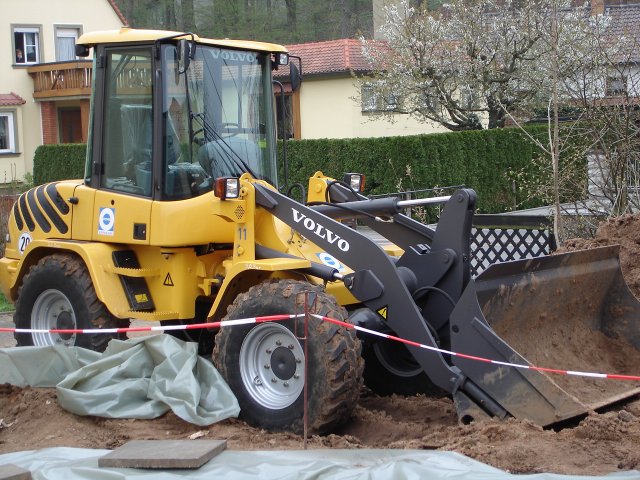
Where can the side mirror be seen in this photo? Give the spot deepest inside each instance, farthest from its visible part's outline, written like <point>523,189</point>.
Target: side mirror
<point>185,52</point>
<point>82,50</point>
<point>295,76</point>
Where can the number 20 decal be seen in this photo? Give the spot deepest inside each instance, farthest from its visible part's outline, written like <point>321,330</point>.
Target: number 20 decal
<point>23,242</point>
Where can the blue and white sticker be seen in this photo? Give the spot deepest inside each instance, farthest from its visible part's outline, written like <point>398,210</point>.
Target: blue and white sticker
<point>106,221</point>
<point>330,261</point>
<point>23,242</point>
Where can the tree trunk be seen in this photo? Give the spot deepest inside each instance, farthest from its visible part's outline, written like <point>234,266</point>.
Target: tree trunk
<point>497,115</point>
<point>555,135</point>
<point>346,17</point>
<point>127,10</point>
<point>291,14</point>
<point>169,15</point>
<point>188,18</point>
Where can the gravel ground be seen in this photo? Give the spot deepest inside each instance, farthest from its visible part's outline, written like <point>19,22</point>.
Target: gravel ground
<point>6,338</point>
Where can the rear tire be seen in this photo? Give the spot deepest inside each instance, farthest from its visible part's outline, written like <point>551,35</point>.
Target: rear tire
<point>264,363</point>
<point>57,292</point>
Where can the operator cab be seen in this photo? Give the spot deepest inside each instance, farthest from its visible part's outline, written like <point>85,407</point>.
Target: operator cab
<point>171,115</point>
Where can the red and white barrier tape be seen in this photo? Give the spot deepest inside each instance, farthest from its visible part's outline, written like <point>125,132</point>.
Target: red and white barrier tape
<point>480,359</point>
<point>162,328</point>
<point>275,318</point>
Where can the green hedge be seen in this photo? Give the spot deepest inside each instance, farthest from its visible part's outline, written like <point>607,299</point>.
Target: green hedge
<point>477,159</point>
<point>58,162</point>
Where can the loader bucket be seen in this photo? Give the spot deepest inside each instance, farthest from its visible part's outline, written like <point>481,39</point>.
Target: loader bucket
<point>571,311</point>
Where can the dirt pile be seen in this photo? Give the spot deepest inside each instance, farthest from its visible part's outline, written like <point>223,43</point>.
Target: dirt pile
<point>598,444</point>
<point>623,231</point>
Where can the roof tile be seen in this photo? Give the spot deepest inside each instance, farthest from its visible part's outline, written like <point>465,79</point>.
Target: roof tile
<point>625,20</point>
<point>11,99</point>
<point>333,56</point>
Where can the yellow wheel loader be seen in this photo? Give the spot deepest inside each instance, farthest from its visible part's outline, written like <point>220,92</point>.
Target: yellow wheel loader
<point>179,220</point>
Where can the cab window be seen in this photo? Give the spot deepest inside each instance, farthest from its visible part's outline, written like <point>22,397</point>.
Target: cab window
<point>128,121</point>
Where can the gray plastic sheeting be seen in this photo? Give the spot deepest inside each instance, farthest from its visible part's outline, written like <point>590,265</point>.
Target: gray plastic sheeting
<point>138,378</point>
<point>82,464</point>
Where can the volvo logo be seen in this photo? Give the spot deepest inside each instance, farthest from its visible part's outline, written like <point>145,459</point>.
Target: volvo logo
<point>320,230</point>
<point>233,55</point>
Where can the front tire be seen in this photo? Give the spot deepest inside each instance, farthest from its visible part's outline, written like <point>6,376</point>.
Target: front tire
<point>391,369</point>
<point>57,293</point>
<point>264,363</point>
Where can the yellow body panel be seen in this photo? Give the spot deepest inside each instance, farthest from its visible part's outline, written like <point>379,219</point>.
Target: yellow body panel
<point>83,227</point>
<point>8,272</point>
<point>189,222</point>
<point>317,187</point>
<point>94,255</point>
<point>129,35</point>
<point>115,215</point>
<point>174,282</point>
<point>200,247</point>
<point>42,212</point>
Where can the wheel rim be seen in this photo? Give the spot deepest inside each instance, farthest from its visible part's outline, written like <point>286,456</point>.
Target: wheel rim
<point>396,359</point>
<point>272,365</point>
<point>52,310</point>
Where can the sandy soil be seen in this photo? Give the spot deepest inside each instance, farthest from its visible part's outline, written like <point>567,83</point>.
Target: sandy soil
<point>601,443</point>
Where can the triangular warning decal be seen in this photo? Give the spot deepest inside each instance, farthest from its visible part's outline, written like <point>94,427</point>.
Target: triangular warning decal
<point>383,312</point>
<point>168,282</point>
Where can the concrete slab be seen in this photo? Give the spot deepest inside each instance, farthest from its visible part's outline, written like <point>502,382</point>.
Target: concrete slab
<point>163,454</point>
<point>13,472</point>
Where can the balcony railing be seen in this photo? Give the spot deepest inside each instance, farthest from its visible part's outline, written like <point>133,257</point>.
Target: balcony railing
<point>61,79</point>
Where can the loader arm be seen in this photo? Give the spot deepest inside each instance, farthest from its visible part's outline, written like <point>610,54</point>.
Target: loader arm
<point>384,286</point>
<point>402,231</point>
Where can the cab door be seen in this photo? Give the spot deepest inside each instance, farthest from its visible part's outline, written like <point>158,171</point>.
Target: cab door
<point>122,150</point>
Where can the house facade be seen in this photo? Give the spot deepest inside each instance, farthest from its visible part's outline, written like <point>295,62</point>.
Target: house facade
<point>332,103</point>
<point>44,88</point>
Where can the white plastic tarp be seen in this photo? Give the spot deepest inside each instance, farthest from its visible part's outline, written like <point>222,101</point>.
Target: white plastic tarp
<point>82,464</point>
<point>138,378</point>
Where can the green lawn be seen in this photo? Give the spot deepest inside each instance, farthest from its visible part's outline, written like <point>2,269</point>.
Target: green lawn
<point>5,305</point>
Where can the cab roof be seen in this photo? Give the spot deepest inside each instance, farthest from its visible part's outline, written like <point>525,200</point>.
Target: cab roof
<point>133,35</point>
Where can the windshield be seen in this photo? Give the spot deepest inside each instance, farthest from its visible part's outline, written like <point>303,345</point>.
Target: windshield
<point>218,119</point>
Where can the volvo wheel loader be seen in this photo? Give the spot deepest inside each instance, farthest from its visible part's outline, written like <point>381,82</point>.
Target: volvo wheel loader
<point>179,220</point>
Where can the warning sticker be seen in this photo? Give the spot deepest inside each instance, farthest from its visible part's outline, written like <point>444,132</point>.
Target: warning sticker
<point>168,281</point>
<point>106,221</point>
<point>383,312</point>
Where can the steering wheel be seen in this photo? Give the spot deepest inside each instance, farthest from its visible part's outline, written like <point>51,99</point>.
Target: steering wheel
<point>226,125</point>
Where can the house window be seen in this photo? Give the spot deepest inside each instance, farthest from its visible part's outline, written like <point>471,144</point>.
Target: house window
<point>26,43</point>
<point>375,101</point>
<point>368,99</point>
<point>7,133</point>
<point>616,86</point>
<point>66,43</point>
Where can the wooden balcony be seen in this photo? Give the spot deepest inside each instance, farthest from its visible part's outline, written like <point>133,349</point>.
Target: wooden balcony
<point>61,79</point>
